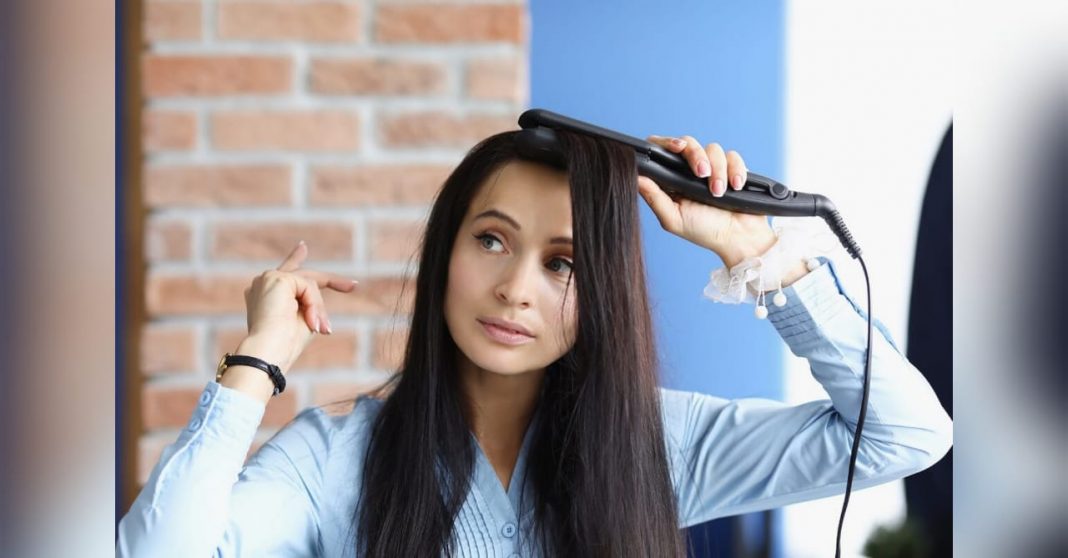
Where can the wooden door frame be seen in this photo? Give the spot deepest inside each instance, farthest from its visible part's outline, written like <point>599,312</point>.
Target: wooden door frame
<point>130,260</point>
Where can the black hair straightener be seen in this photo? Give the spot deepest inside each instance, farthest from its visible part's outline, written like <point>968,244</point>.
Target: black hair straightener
<point>760,195</point>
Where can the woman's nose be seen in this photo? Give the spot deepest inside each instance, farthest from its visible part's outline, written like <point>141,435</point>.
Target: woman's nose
<point>517,285</point>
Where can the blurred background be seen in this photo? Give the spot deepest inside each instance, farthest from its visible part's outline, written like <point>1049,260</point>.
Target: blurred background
<point>159,153</point>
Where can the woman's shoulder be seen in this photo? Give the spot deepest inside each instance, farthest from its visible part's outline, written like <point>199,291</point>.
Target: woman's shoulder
<point>343,410</point>
<point>349,416</point>
<point>316,429</point>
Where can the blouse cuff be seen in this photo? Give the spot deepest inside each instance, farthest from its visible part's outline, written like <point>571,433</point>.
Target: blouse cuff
<point>811,301</point>
<point>227,413</point>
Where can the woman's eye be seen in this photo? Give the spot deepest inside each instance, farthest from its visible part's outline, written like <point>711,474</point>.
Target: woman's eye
<point>487,240</point>
<point>567,265</point>
<point>557,265</point>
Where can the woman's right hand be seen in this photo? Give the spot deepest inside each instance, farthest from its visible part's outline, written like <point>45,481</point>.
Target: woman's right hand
<point>285,308</point>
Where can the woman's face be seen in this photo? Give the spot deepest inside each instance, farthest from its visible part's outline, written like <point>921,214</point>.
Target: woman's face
<point>511,262</point>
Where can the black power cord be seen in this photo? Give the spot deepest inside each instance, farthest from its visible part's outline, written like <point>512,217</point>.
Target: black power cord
<point>837,224</point>
<point>860,418</point>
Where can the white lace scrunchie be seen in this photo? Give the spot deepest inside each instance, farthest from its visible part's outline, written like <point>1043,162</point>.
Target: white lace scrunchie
<point>750,279</point>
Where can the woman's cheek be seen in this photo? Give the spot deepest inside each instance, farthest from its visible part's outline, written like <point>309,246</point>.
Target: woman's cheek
<point>464,270</point>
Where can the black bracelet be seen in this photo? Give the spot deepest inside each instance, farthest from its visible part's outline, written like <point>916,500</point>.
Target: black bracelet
<point>273,372</point>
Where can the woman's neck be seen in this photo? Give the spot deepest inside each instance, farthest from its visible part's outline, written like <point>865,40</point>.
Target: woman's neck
<point>498,411</point>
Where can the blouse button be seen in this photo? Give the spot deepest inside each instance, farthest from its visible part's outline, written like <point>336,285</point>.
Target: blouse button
<point>205,398</point>
<point>194,424</point>
<point>508,530</point>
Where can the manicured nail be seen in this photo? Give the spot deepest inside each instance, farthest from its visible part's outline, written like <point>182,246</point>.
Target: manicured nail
<point>678,143</point>
<point>316,328</point>
<point>329,328</point>
<point>703,169</point>
<point>718,188</point>
<point>355,282</point>
<point>736,181</point>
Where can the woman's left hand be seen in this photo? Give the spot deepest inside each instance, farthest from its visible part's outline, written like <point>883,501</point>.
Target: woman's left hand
<point>732,236</point>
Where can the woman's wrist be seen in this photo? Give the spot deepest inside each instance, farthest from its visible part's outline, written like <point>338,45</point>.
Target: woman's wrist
<point>251,380</point>
<point>758,245</point>
<point>759,264</point>
<point>265,348</point>
<point>751,248</point>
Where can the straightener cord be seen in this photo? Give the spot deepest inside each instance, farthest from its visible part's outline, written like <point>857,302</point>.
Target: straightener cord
<point>860,419</point>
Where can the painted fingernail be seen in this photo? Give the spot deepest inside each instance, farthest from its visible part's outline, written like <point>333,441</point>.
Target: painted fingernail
<point>316,328</point>
<point>329,328</point>
<point>718,186</point>
<point>736,181</point>
<point>704,170</point>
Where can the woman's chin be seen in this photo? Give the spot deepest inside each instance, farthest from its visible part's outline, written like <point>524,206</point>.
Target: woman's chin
<point>503,368</point>
<point>503,364</point>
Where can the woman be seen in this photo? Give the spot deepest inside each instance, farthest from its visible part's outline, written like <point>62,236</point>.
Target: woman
<point>526,418</point>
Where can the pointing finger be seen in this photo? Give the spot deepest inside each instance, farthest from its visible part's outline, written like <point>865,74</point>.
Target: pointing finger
<point>294,259</point>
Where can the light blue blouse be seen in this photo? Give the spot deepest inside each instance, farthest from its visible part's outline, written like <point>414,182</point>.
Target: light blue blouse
<point>296,496</point>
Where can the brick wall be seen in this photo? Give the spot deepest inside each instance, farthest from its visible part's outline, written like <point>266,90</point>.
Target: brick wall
<point>268,122</point>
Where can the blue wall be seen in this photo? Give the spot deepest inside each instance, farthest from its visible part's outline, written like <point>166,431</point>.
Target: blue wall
<point>714,70</point>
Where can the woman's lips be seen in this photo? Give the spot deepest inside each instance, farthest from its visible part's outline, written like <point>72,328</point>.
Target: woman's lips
<point>505,336</point>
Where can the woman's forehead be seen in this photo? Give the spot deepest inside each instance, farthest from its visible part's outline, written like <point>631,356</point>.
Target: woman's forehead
<point>529,193</point>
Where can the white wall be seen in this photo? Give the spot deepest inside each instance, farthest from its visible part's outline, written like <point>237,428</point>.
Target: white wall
<point>868,100</point>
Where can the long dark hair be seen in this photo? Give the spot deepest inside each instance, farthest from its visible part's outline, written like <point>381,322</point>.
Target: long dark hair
<point>597,462</point>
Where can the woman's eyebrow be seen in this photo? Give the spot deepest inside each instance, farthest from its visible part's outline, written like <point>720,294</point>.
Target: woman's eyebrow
<point>508,219</point>
<point>500,215</point>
